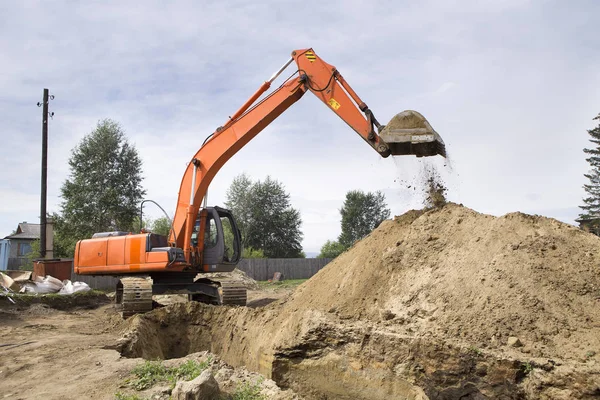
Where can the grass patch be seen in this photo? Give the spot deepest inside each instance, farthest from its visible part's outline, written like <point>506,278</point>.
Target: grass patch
<point>32,296</point>
<point>248,391</point>
<point>285,284</point>
<point>527,367</point>
<point>124,396</point>
<point>59,301</point>
<point>152,372</point>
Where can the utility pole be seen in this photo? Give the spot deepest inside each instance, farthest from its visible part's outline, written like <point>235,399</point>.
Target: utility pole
<point>43,199</point>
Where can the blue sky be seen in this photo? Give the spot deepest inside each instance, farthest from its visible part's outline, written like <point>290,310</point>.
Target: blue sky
<point>510,85</point>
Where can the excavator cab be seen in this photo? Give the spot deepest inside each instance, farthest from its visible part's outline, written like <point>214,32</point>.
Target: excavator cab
<point>410,133</point>
<point>222,240</point>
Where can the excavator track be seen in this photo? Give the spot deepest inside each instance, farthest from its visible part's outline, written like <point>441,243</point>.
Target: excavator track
<point>134,296</point>
<point>233,293</point>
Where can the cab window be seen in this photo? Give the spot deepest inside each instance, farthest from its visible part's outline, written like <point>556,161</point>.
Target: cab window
<point>210,234</point>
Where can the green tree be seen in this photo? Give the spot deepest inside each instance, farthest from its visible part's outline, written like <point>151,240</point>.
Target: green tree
<point>103,189</point>
<point>331,249</point>
<point>249,252</point>
<point>162,226</point>
<point>240,203</point>
<point>361,213</point>
<point>591,206</point>
<point>265,217</point>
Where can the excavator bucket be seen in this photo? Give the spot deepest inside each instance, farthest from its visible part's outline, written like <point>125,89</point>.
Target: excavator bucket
<point>410,133</point>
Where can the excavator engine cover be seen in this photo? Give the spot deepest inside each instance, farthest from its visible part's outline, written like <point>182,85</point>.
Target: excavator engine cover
<point>410,133</point>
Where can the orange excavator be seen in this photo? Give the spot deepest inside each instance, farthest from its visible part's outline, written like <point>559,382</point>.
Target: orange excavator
<point>206,239</point>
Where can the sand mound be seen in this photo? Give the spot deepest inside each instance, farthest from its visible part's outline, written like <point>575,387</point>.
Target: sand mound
<point>442,304</point>
<point>235,275</point>
<point>458,274</point>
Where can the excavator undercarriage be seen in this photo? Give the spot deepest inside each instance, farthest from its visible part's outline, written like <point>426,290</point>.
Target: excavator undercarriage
<point>134,293</point>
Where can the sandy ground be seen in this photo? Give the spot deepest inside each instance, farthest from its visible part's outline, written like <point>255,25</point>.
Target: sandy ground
<point>441,304</point>
<point>52,354</point>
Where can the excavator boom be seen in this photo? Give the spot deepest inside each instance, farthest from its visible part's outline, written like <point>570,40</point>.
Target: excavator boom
<point>329,86</point>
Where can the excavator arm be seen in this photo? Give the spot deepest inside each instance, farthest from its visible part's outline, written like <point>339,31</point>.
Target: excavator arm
<point>329,86</point>
<point>313,74</point>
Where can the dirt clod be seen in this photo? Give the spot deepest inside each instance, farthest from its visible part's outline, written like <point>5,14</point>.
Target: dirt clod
<point>514,342</point>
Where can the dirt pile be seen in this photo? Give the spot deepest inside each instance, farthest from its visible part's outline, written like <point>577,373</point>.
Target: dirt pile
<point>456,274</point>
<point>445,304</point>
<point>236,275</point>
<point>408,120</point>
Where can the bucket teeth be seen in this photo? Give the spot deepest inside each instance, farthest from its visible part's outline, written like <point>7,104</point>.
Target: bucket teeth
<point>410,133</point>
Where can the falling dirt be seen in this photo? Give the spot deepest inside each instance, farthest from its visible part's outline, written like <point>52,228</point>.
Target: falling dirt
<point>442,304</point>
<point>425,183</point>
<point>433,186</point>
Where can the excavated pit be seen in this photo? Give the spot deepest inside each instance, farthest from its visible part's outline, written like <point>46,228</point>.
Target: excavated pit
<point>330,359</point>
<point>427,306</point>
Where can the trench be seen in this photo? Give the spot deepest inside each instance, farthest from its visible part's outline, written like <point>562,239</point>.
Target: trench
<point>325,360</point>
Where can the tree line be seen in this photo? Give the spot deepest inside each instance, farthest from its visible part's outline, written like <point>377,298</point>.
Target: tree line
<point>104,189</point>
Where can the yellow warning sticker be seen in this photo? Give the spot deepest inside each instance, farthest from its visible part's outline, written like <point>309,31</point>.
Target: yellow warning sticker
<point>311,56</point>
<point>334,104</point>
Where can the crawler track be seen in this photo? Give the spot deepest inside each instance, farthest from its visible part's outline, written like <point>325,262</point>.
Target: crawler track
<point>233,293</point>
<point>134,296</point>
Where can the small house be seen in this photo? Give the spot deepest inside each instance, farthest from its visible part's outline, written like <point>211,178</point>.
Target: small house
<point>15,248</point>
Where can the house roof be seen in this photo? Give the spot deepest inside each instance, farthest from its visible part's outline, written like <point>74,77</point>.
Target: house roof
<point>26,231</point>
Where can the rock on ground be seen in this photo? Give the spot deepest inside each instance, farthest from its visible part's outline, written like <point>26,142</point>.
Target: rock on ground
<point>204,387</point>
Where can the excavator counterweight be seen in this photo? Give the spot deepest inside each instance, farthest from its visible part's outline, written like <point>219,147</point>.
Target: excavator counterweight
<point>410,133</point>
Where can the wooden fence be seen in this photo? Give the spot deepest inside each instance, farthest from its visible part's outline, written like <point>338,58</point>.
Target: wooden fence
<point>260,269</point>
